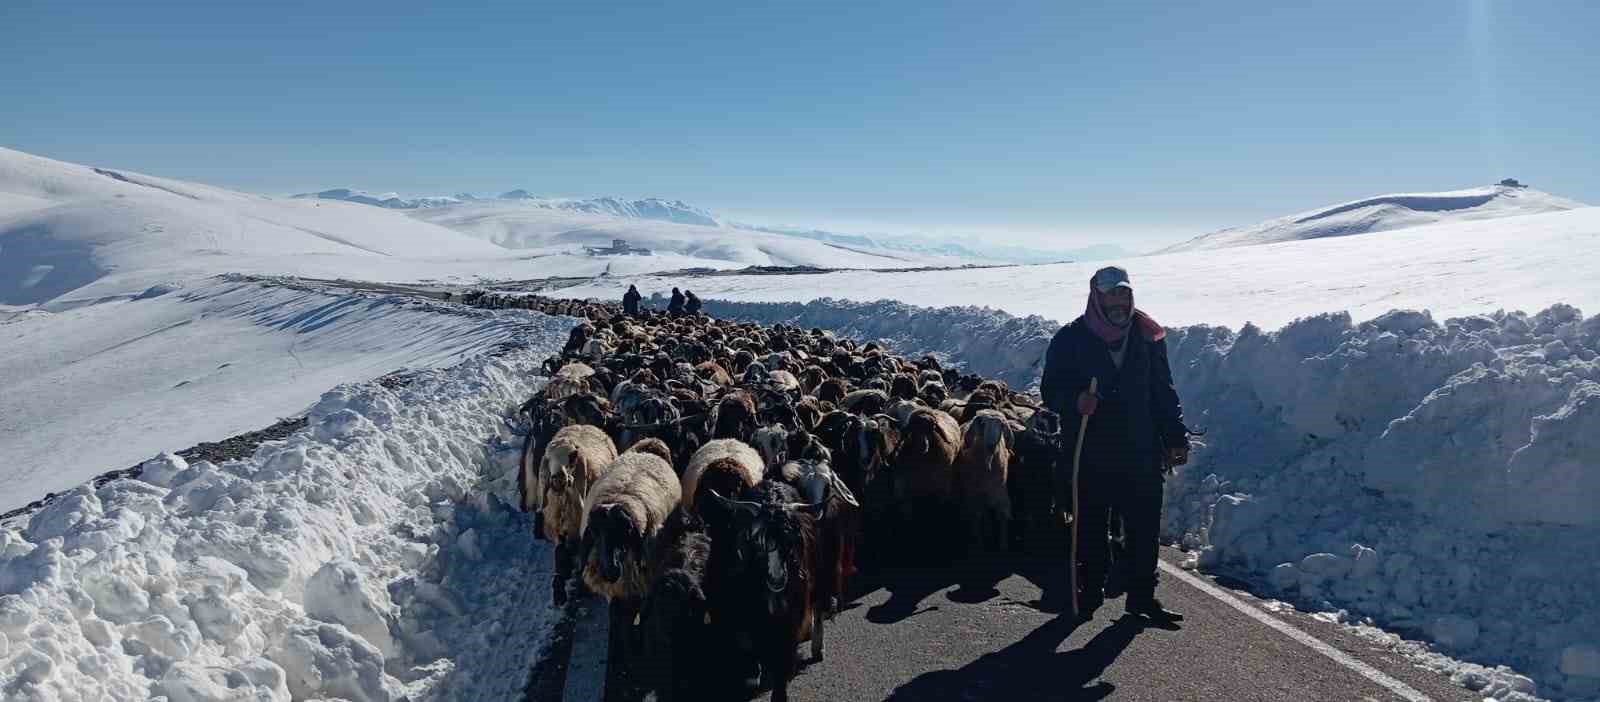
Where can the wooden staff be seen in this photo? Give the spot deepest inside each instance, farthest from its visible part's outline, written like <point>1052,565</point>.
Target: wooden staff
<point>1077,458</point>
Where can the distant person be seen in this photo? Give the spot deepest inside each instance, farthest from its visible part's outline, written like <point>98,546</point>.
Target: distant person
<point>675,307</point>
<point>1135,433</point>
<point>692,303</point>
<point>630,301</point>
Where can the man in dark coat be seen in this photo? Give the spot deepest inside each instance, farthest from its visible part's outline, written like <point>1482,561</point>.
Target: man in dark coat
<point>1135,432</point>
<point>675,307</point>
<point>691,303</point>
<point>630,301</point>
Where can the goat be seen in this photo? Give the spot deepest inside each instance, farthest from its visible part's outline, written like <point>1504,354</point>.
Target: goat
<point>763,565</point>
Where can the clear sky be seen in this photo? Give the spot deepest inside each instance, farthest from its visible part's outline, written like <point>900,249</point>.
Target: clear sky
<point>1050,122</point>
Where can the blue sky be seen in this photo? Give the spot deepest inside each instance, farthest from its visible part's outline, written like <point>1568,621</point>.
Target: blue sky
<point>1043,122</point>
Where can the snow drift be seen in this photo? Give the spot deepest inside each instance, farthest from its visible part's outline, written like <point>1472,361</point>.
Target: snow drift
<point>371,556</point>
<point>1385,213</point>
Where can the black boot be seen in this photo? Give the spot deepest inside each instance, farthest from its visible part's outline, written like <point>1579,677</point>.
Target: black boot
<point>1149,607</point>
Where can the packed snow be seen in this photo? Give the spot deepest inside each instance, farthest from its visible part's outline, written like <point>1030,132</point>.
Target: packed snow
<point>374,555</point>
<point>1528,262</point>
<point>1386,213</point>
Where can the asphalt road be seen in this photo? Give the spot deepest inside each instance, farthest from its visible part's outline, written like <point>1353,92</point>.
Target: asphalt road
<point>923,635</point>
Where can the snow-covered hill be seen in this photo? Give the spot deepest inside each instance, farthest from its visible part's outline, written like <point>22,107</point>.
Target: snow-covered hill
<point>518,226</point>
<point>1386,213</point>
<point>73,234</point>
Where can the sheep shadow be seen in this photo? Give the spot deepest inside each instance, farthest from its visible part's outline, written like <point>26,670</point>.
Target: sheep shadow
<point>975,580</point>
<point>1014,672</point>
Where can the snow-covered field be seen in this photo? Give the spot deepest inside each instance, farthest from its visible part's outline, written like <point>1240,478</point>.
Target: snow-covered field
<point>373,555</point>
<point>1528,263</point>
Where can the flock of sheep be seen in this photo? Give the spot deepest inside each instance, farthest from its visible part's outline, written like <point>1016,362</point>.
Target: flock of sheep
<point>760,469</point>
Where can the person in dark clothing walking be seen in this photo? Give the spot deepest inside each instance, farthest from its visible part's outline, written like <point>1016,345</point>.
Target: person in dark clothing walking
<point>691,303</point>
<point>1135,432</point>
<point>675,307</point>
<point>630,301</point>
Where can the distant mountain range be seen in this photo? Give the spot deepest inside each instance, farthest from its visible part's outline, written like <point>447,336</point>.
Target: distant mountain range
<point>679,212</point>
<point>647,208</point>
<point>1508,198</point>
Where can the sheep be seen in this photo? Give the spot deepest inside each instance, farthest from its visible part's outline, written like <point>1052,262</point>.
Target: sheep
<point>575,458</point>
<point>981,469</point>
<point>1031,479</point>
<point>734,416</point>
<point>724,465</point>
<point>925,466</point>
<point>866,401</point>
<point>623,512</point>
<point>772,442</point>
<point>572,379</point>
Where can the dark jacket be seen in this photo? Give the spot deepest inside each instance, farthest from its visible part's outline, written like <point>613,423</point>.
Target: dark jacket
<point>675,306</point>
<point>691,303</point>
<point>630,301</point>
<point>1139,415</point>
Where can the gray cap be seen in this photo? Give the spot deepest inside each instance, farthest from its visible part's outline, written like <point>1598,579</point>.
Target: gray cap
<point>1110,277</point>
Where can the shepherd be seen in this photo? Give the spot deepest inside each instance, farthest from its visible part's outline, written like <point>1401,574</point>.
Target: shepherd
<point>691,304</point>
<point>630,301</point>
<point>675,306</point>
<point>1106,374</point>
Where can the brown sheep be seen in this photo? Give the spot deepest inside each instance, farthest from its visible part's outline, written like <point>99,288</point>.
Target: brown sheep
<point>574,460</point>
<point>925,465</point>
<point>727,466</point>
<point>987,444</point>
<point>734,416</point>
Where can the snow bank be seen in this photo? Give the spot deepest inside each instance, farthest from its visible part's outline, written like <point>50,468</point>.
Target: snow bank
<point>104,386</point>
<point>371,556</point>
<point>1442,480</point>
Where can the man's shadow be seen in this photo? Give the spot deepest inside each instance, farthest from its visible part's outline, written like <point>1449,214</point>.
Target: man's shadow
<point>1031,668</point>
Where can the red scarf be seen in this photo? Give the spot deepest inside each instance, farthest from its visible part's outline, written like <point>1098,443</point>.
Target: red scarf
<point>1112,333</point>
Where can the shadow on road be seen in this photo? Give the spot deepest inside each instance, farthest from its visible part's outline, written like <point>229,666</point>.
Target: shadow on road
<point>1031,668</point>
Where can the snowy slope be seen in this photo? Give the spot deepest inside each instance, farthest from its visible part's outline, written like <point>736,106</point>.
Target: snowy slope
<point>1451,269</point>
<point>1385,213</point>
<point>97,233</point>
<point>102,387</point>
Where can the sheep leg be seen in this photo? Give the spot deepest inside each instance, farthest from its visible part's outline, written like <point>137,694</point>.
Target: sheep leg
<point>563,572</point>
<point>816,635</point>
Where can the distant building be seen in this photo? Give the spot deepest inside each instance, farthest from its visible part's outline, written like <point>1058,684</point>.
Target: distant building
<point>1512,183</point>
<point>619,247</point>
